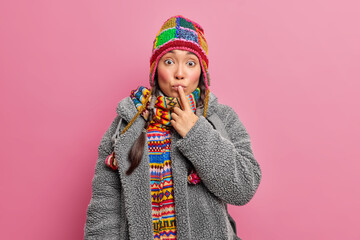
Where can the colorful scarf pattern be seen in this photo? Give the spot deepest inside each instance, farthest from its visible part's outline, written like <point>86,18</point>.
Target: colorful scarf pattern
<point>163,105</point>
<point>159,141</point>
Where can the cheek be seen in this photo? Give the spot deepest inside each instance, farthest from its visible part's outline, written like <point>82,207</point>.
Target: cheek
<point>194,79</point>
<point>195,75</point>
<point>163,77</point>
<point>164,82</point>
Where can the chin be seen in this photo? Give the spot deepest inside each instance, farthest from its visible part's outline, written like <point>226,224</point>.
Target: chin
<point>170,93</point>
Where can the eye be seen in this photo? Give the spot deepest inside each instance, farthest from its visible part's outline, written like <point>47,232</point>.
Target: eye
<point>192,63</point>
<point>167,61</point>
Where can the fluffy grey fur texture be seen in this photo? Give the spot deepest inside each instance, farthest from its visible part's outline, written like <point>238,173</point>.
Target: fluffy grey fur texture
<point>120,206</point>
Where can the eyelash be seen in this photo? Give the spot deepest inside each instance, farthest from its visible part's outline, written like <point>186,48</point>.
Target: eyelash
<point>171,60</point>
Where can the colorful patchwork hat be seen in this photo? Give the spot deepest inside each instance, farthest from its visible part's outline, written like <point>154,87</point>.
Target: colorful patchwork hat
<point>181,33</point>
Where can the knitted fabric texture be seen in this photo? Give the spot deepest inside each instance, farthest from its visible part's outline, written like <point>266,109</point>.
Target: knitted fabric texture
<point>161,180</point>
<point>159,142</point>
<point>163,105</point>
<point>162,111</point>
<point>179,32</point>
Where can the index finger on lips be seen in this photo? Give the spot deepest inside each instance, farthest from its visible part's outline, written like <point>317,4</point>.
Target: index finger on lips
<point>183,99</point>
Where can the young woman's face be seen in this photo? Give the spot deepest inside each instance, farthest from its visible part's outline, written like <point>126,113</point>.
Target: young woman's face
<point>178,67</point>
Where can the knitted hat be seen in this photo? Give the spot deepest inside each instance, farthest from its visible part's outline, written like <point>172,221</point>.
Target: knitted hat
<point>179,32</point>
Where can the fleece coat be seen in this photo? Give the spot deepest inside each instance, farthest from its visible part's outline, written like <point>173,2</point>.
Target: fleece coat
<point>218,148</point>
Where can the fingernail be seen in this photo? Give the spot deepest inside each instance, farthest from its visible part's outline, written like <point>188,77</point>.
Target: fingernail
<point>180,87</point>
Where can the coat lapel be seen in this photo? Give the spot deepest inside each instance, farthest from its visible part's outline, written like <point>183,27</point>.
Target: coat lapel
<point>137,191</point>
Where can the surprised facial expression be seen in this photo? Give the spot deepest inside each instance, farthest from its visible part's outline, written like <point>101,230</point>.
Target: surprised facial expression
<point>178,68</point>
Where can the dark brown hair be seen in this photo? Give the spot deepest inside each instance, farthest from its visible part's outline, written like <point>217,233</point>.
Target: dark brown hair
<point>136,151</point>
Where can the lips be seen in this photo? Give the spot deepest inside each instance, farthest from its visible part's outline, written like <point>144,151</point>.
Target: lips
<point>177,85</point>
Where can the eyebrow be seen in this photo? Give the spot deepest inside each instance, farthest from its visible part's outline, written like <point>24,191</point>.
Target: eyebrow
<point>188,53</point>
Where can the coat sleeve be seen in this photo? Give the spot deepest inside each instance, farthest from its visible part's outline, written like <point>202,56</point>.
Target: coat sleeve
<point>103,221</point>
<point>226,167</point>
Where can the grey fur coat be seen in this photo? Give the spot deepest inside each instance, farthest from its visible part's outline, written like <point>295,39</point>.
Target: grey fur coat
<point>120,206</point>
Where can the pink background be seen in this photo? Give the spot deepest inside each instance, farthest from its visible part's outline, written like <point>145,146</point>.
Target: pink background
<point>290,69</point>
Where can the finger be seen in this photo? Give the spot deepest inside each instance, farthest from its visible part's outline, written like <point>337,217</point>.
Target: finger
<point>177,110</point>
<point>185,103</point>
<point>174,116</point>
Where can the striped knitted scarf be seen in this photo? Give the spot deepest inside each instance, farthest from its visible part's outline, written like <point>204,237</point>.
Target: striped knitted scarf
<point>159,141</point>
<point>163,105</point>
<point>162,110</point>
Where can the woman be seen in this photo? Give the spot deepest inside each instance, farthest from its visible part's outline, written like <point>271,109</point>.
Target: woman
<point>174,157</point>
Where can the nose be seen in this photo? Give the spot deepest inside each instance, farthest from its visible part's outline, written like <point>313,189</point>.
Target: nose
<point>179,72</point>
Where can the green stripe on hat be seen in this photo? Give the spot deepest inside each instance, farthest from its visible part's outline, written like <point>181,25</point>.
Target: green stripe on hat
<point>165,36</point>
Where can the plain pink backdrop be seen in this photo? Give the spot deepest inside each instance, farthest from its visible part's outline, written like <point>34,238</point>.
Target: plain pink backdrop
<point>290,69</point>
